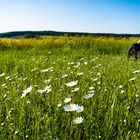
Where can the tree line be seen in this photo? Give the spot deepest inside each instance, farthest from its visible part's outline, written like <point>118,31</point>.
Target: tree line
<point>33,34</point>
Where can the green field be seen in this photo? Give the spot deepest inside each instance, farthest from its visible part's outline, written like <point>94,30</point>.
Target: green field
<point>45,84</point>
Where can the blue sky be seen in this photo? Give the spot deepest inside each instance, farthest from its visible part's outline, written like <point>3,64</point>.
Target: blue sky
<point>97,16</point>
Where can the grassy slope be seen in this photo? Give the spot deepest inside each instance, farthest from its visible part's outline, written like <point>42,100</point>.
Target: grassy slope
<point>113,111</point>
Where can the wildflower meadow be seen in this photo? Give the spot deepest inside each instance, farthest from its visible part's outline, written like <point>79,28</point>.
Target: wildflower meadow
<point>69,88</point>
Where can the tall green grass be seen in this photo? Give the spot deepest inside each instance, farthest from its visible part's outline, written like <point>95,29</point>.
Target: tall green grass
<point>112,113</point>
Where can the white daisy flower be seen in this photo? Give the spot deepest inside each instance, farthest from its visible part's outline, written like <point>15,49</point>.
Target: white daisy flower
<point>78,120</point>
<point>85,62</point>
<point>99,83</point>
<point>91,88</point>
<point>33,69</point>
<point>137,95</point>
<point>71,63</point>
<point>71,107</point>
<point>76,66</point>
<point>92,60</point>
<point>47,81</point>
<point>59,105</point>
<point>136,71</point>
<point>75,90</point>
<point>72,83</point>
<point>45,90</point>
<point>99,74</point>
<point>66,100</point>
<point>1,75</point>
<point>132,79</point>
<point>3,85</point>
<point>80,109</point>
<point>26,91</point>
<point>25,78</point>
<point>47,70</point>
<point>124,120</point>
<point>88,96</point>
<point>64,76</point>
<point>95,79</point>
<point>7,78</point>
<point>122,91</point>
<point>80,73</point>
<point>121,86</point>
<point>82,59</point>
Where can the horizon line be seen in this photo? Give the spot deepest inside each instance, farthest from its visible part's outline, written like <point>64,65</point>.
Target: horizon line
<point>67,32</point>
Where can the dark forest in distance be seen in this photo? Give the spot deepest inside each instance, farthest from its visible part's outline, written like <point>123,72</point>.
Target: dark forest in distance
<point>16,34</point>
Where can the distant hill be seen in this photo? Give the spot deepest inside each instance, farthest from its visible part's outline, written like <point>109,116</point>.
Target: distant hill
<point>17,34</point>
